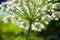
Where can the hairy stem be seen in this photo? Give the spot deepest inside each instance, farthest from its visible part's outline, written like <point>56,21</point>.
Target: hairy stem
<point>29,30</point>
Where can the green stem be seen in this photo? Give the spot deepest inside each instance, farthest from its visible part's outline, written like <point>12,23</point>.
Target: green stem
<point>29,30</point>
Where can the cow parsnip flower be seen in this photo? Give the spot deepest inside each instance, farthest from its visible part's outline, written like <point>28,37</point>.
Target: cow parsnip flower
<point>32,10</point>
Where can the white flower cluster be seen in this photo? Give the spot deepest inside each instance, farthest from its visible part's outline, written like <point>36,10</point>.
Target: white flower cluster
<point>11,18</point>
<point>39,11</point>
<point>37,26</point>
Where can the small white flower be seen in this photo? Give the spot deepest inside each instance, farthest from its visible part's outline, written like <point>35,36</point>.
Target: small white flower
<point>49,0</point>
<point>34,28</point>
<point>53,5</point>
<point>26,28</point>
<point>46,22</point>
<point>52,10</point>
<point>56,19</point>
<point>39,30</point>
<point>42,26</point>
<point>42,18</point>
<point>44,8</point>
<point>5,20</point>
<point>53,15</point>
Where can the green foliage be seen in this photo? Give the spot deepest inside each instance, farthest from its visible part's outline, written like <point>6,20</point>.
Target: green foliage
<point>1,17</point>
<point>9,27</point>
